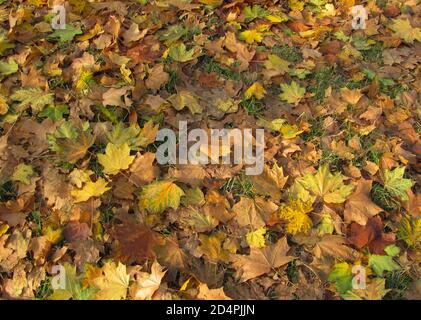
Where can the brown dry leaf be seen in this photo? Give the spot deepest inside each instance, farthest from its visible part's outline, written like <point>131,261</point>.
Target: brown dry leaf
<point>351,96</point>
<point>157,77</point>
<point>333,246</point>
<point>370,234</point>
<point>134,242</point>
<point>217,206</point>
<point>142,170</point>
<point>191,174</point>
<point>358,206</point>
<point>261,261</point>
<point>253,212</point>
<point>73,150</point>
<point>270,182</point>
<point>211,294</point>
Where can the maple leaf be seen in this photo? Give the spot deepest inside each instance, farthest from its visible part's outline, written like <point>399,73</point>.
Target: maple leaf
<point>22,173</point>
<point>255,90</point>
<point>341,276</point>
<point>71,150</point>
<point>277,64</point>
<point>66,34</point>
<point>396,184</point>
<point>147,283</point>
<point>405,31</point>
<point>370,234</point>
<point>185,99</point>
<point>295,213</point>
<point>212,247</point>
<point>116,158</point>
<point>142,169</point>
<point>292,93</point>
<point>270,182</point>
<point>254,12</point>
<point>381,263</point>
<point>8,67</point>
<point>333,246</point>
<point>253,212</point>
<point>178,52</point>
<point>90,189</point>
<point>251,36</point>
<point>160,195</point>
<point>134,136</point>
<point>351,96</point>
<point>135,242</point>
<point>73,287</point>
<point>33,97</point>
<point>198,221</point>
<point>211,294</point>
<point>261,261</point>
<point>112,283</point>
<point>256,238</point>
<point>328,186</point>
<point>358,206</point>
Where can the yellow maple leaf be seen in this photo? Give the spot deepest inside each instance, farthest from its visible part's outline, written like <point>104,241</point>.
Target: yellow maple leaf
<point>251,36</point>
<point>256,238</point>
<point>276,63</point>
<point>90,189</point>
<point>292,93</point>
<point>160,195</point>
<point>351,96</point>
<point>295,214</point>
<point>290,131</point>
<point>116,158</point>
<point>112,282</point>
<point>256,90</point>
<point>328,186</point>
<point>405,31</point>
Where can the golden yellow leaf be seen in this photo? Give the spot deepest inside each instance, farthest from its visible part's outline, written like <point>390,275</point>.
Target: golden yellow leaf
<point>251,36</point>
<point>90,189</point>
<point>112,282</point>
<point>292,93</point>
<point>405,31</point>
<point>255,90</point>
<point>116,158</point>
<point>160,195</point>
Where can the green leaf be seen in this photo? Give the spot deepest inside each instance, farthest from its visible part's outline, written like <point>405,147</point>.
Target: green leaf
<point>8,67</point>
<point>4,43</point>
<point>341,276</point>
<point>66,34</point>
<point>67,130</point>
<point>392,250</point>
<point>396,184</point>
<point>55,113</point>
<point>73,286</point>
<point>22,173</point>
<point>380,263</point>
<point>251,13</point>
<point>292,93</point>
<point>179,53</point>
<point>34,97</point>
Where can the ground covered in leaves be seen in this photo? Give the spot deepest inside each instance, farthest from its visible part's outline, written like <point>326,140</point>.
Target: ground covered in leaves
<point>80,187</point>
